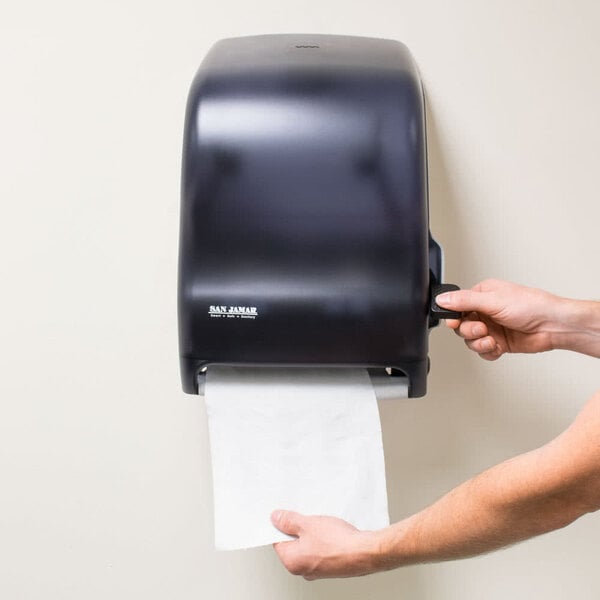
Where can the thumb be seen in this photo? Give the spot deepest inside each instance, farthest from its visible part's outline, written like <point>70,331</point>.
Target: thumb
<point>467,300</point>
<point>287,521</point>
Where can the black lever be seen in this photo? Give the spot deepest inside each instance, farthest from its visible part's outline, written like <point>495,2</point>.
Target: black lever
<point>436,311</point>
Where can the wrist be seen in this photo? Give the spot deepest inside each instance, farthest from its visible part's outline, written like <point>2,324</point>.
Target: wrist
<point>576,326</point>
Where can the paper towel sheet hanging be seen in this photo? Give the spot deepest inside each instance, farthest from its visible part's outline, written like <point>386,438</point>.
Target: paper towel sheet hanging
<point>303,439</point>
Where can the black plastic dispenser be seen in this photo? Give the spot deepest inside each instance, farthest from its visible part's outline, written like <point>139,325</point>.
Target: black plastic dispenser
<point>304,216</point>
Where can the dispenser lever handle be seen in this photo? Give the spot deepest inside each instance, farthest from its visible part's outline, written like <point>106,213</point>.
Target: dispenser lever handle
<point>437,311</point>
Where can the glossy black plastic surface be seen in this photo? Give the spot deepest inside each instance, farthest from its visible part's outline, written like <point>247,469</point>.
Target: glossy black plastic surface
<point>304,206</point>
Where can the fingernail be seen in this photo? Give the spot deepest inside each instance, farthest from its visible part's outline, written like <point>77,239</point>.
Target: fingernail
<point>444,299</point>
<point>276,516</point>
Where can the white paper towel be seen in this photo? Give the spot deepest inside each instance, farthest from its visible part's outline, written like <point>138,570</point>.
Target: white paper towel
<point>303,439</point>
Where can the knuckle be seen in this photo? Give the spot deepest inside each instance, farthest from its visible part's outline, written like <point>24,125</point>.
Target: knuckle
<point>488,283</point>
<point>478,329</point>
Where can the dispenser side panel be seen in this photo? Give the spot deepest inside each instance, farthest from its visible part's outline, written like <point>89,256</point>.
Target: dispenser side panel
<point>304,231</point>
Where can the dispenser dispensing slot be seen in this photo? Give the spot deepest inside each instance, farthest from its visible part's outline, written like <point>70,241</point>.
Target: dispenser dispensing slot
<point>387,386</point>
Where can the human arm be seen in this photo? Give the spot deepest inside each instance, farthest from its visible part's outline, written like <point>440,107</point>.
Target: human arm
<point>501,317</point>
<point>528,495</point>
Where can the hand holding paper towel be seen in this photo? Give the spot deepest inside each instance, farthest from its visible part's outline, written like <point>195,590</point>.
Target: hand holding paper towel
<point>302,439</point>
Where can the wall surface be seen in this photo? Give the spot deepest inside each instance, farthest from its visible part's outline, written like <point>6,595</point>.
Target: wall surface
<point>105,484</point>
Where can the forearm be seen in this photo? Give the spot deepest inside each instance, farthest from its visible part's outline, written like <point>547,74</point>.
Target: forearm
<point>520,498</point>
<point>526,496</point>
<point>486,513</point>
<point>575,325</point>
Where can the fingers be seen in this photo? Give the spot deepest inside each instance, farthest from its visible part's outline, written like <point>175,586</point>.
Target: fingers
<point>290,554</point>
<point>453,323</point>
<point>290,559</point>
<point>287,521</point>
<point>482,345</point>
<point>467,300</point>
<point>495,355</point>
<point>478,337</point>
<point>472,330</point>
<point>476,328</point>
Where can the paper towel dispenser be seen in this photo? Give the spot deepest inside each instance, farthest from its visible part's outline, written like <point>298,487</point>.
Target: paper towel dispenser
<point>304,233</point>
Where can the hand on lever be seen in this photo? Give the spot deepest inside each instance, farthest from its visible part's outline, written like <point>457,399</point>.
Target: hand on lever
<point>500,317</point>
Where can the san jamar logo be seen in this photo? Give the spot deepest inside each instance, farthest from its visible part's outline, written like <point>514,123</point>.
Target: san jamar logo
<point>233,312</point>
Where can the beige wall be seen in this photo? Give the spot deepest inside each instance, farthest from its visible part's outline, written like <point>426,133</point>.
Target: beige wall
<point>105,485</point>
